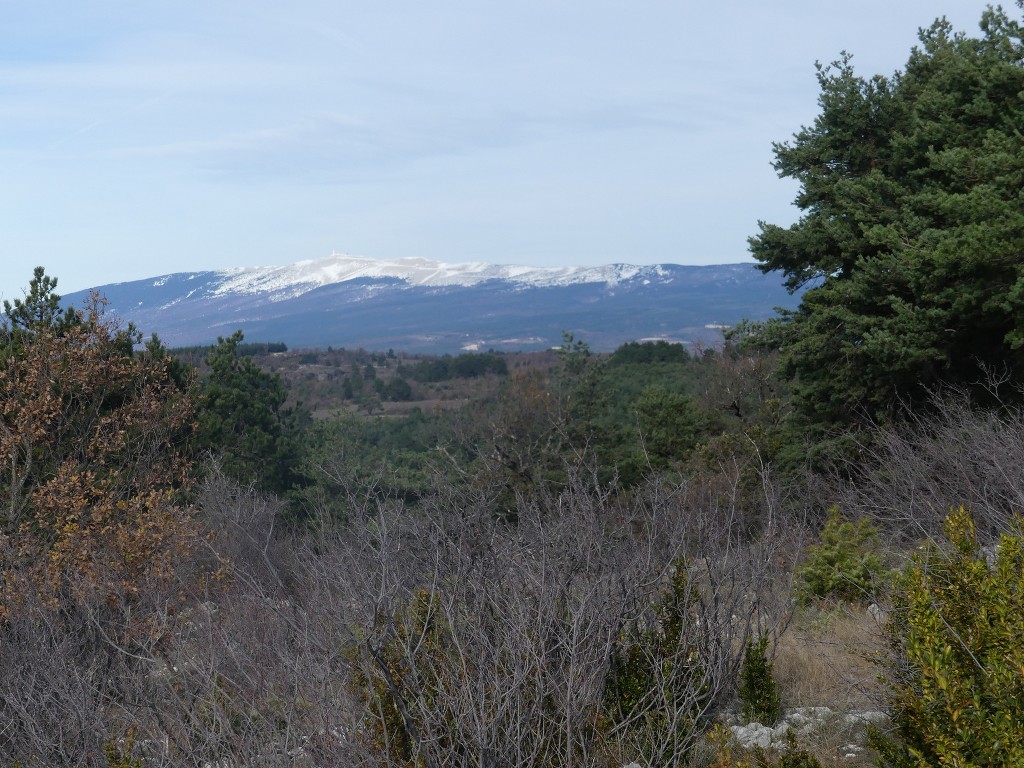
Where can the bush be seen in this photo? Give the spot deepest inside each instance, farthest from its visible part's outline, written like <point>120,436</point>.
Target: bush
<point>655,685</point>
<point>957,663</point>
<point>845,564</point>
<point>758,690</point>
<point>93,439</point>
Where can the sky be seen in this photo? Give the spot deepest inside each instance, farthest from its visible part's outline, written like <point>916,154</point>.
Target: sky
<point>142,138</point>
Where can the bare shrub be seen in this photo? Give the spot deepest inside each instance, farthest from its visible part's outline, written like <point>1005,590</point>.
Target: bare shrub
<point>957,454</point>
<point>50,705</point>
<point>474,641</point>
<point>250,677</point>
<point>75,675</point>
<point>588,628</point>
<point>242,527</point>
<point>223,671</point>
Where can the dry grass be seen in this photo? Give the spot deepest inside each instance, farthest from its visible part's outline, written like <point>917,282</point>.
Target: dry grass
<point>823,660</point>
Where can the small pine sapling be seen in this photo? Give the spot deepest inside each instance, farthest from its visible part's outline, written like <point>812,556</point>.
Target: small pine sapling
<point>846,564</point>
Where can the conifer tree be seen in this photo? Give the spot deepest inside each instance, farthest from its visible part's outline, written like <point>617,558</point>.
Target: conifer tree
<point>243,420</point>
<point>912,228</point>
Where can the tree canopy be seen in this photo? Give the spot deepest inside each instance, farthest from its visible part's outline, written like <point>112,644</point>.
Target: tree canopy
<point>242,419</point>
<point>912,227</point>
<point>92,440</point>
<point>39,310</point>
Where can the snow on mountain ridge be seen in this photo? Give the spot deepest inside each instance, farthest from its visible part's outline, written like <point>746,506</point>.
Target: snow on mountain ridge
<point>302,276</point>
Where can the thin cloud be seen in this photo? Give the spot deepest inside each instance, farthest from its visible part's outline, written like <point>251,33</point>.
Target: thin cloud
<point>216,134</point>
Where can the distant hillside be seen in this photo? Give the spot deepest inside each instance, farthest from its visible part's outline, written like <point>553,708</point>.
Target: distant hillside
<point>431,307</point>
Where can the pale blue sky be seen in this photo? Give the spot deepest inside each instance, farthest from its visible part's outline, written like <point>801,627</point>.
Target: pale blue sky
<point>139,138</point>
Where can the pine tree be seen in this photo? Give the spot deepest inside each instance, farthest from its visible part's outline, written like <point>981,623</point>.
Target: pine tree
<point>243,420</point>
<point>912,228</point>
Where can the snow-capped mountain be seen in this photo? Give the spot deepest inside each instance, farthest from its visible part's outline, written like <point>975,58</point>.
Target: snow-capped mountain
<point>294,279</point>
<point>421,305</point>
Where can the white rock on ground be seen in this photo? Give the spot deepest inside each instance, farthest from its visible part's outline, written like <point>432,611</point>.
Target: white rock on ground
<point>802,720</point>
<point>756,735</point>
<point>866,718</point>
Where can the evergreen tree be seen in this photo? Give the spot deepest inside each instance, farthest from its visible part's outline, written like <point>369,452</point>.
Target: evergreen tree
<point>40,309</point>
<point>243,421</point>
<point>672,425</point>
<point>912,232</point>
<point>758,690</point>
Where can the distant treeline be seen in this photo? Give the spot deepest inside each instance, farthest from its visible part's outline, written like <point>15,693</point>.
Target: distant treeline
<point>647,352</point>
<point>465,366</point>
<point>245,349</point>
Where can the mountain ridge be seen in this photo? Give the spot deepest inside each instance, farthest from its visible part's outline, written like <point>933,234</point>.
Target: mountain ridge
<point>427,306</point>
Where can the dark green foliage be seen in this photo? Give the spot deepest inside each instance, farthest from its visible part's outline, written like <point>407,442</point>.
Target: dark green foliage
<point>846,563</point>
<point>472,366</point>
<point>430,370</point>
<point>348,455</point>
<point>640,414</point>
<point>758,690</point>
<point>650,663</point>
<point>632,670</point>
<point>253,348</point>
<point>396,390</point>
<point>243,420</point>
<point>574,354</point>
<point>180,372</point>
<point>912,229</point>
<point>384,687</point>
<point>794,756</point>
<point>41,308</point>
<point>246,349</point>
<point>465,366</point>
<point>671,424</point>
<point>356,382</point>
<point>120,755</point>
<point>648,352</point>
<point>578,384</point>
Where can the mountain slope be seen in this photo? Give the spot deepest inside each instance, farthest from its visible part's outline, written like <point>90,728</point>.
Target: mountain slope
<point>424,306</point>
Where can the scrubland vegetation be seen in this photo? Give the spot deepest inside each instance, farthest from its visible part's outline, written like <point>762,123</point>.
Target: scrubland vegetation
<point>249,556</point>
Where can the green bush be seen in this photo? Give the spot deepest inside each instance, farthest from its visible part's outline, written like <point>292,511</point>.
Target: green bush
<point>119,753</point>
<point>846,563</point>
<point>653,686</point>
<point>758,690</point>
<point>957,661</point>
